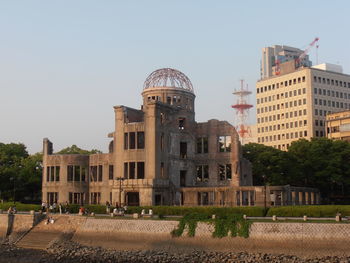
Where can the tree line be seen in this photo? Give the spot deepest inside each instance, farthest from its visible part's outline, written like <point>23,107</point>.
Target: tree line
<point>21,173</point>
<point>321,163</point>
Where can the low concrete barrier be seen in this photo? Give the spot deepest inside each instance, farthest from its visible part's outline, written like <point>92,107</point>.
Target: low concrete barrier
<point>14,226</point>
<point>291,238</point>
<point>3,226</point>
<point>298,231</point>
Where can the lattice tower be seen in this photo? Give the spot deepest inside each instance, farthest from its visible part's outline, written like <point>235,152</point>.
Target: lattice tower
<point>242,111</point>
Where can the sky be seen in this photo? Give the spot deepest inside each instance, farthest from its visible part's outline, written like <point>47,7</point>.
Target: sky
<point>65,64</point>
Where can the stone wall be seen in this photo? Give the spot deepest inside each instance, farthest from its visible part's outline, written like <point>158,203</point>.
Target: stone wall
<point>20,224</point>
<point>15,226</point>
<point>274,231</point>
<point>3,226</point>
<point>298,231</point>
<point>279,237</point>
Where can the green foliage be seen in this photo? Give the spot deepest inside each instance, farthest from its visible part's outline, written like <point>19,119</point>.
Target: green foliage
<point>311,211</point>
<point>76,150</point>
<point>20,206</point>
<point>189,220</point>
<point>320,163</point>
<point>208,210</point>
<point>73,209</point>
<point>325,165</point>
<point>234,224</point>
<point>225,223</point>
<point>20,173</point>
<point>271,166</point>
<point>97,209</point>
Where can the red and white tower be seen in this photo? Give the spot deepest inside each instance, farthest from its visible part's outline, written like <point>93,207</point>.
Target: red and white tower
<point>242,111</point>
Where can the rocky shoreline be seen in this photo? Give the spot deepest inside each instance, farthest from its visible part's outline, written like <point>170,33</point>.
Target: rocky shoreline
<point>69,252</point>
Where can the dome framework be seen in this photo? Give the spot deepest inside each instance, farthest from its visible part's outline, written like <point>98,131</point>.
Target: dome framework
<point>168,77</point>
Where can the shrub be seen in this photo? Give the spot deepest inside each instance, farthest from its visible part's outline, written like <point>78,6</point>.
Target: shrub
<point>207,210</point>
<point>189,220</point>
<point>311,211</point>
<point>97,209</point>
<point>225,223</point>
<point>20,206</point>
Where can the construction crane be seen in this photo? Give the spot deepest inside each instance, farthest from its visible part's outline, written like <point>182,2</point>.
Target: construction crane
<point>298,61</point>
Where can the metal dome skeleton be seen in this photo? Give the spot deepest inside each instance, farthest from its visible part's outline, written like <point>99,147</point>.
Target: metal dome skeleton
<point>168,77</point>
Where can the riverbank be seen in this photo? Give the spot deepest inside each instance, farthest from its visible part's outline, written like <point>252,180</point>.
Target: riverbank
<point>71,252</point>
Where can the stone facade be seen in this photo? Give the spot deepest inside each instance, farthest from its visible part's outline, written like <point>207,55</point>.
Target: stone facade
<point>158,155</point>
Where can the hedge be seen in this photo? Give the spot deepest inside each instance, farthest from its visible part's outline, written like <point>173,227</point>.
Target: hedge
<point>311,211</point>
<point>19,206</point>
<point>284,211</point>
<point>208,210</point>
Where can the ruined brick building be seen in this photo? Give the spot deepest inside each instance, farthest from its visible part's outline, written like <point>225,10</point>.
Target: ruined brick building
<point>159,155</point>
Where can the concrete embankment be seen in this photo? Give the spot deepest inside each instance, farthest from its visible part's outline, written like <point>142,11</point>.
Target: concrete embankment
<point>143,234</point>
<point>13,227</point>
<point>292,238</point>
<point>3,227</point>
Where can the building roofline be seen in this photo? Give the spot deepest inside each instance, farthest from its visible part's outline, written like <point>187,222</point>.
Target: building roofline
<point>301,69</point>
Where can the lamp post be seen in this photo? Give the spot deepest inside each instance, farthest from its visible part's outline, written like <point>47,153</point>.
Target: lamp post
<point>120,179</point>
<point>14,188</point>
<point>264,179</point>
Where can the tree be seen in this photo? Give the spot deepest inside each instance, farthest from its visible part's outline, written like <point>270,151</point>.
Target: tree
<point>11,159</point>
<point>29,185</point>
<point>76,150</point>
<point>325,164</point>
<point>271,166</point>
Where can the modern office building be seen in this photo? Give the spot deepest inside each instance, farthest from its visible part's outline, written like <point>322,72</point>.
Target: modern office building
<point>338,125</point>
<point>294,104</point>
<point>277,54</point>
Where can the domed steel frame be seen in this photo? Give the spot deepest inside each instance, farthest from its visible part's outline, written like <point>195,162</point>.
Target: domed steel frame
<point>168,77</point>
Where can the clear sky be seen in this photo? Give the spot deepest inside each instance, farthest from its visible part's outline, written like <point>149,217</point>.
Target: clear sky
<point>65,64</point>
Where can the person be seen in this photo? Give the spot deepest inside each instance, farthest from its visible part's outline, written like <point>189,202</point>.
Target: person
<point>115,211</point>
<point>43,207</point>
<point>81,210</point>
<point>9,211</point>
<point>54,206</point>
<point>14,210</point>
<point>108,207</point>
<point>60,208</point>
